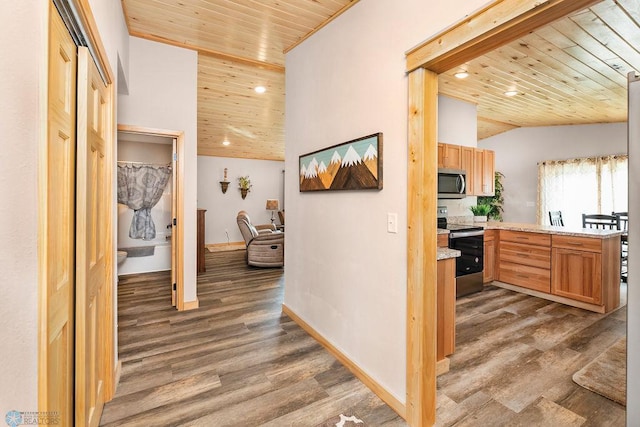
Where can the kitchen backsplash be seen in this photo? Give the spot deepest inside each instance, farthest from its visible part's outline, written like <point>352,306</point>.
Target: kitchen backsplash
<point>459,208</point>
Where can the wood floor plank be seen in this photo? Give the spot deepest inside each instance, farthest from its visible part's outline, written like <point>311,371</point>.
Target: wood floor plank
<point>237,360</point>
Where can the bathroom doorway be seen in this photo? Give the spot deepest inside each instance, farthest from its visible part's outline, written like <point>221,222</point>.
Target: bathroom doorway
<point>160,250</point>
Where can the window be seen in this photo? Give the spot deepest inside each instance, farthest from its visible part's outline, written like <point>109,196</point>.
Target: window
<point>577,186</point>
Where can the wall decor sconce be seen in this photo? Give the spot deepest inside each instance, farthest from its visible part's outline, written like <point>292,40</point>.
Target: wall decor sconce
<point>224,184</point>
<point>273,205</point>
<point>244,183</point>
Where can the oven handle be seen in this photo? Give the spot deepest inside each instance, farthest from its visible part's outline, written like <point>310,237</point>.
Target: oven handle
<point>458,234</point>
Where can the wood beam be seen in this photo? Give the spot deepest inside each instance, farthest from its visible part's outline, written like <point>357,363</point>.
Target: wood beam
<point>422,248</point>
<point>495,25</point>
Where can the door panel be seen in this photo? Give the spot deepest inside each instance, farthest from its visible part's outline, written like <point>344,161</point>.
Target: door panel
<point>58,227</point>
<point>91,290</point>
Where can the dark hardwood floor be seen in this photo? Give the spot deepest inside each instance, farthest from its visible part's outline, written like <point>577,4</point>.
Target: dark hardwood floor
<point>514,359</point>
<point>238,361</point>
<point>235,361</point>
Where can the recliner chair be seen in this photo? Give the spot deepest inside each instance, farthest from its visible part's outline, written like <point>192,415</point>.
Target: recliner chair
<point>265,245</point>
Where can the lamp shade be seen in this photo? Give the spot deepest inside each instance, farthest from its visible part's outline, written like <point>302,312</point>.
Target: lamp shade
<point>273,205</point>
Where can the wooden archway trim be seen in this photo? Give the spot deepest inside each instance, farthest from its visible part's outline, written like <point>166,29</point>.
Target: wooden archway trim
<point>493,26</point>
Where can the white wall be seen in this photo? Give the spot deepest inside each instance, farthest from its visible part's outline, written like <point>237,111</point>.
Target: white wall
<point>267,183</point>
<point>163,95</point>
<point>345,275</point>
<point>518,152</point>
<point>458,125</point>
<point>23,29</point>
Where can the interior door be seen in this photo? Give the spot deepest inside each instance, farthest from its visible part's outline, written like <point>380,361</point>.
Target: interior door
<point>57,222</point>
<point>92,318</point>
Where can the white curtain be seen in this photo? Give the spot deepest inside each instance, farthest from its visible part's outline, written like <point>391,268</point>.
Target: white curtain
<point>577,186</point>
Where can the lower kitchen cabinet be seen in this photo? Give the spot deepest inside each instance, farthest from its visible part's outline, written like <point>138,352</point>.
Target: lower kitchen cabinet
<point>446,313</point>
<point>577,275</point>
<point>525,260</point>
<point>587,269</point>
<point>489,256</point>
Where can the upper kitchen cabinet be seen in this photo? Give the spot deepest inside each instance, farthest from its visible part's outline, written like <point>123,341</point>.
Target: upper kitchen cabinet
<point>483,174</point>
<point>478,164</point>
<point>449,156</point>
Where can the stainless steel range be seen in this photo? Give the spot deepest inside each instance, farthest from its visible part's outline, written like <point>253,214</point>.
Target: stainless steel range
<point>469,240</point>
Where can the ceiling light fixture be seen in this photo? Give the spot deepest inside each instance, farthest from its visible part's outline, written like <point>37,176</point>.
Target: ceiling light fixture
<point>225,142</point>
<point>511,93</point>
<point>260,89</point>
<point>461,75</point>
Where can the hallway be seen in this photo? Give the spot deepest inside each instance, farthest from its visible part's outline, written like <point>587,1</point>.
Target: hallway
<point>237,360</point>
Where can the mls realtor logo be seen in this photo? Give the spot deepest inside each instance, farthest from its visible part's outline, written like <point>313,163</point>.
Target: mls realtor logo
<point>13,418</point>
<point>16,418</point>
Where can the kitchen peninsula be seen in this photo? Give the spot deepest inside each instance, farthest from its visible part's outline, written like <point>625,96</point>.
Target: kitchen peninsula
<point>577,267</point>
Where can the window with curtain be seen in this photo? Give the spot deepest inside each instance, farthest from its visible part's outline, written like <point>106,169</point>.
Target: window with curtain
<point>577,186</point>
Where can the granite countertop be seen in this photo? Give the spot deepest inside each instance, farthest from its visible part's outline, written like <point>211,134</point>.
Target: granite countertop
<point>443,231</point>
<point>446,253</point>
<point>548,229</point>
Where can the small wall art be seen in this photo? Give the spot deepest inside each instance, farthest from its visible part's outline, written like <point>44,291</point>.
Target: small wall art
<point>352,165</point>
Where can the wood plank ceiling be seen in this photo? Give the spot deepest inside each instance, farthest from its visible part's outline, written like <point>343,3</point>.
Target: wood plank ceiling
<point>241,45</point>
<point>571,72</point>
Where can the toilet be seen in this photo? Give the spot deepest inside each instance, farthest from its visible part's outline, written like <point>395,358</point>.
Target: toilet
<point>122,255</point>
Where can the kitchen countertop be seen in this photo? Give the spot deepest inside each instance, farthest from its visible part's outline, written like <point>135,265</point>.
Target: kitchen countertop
<point>443,231</point>
<point>548,229</point>
<point>446,253</point>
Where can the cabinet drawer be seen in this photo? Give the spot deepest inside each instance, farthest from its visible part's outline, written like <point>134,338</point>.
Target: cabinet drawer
<point>538,279</point>
<point>443,240</point>
<point>589,244</point>
<point>539,239</point>
<point>525,254</point>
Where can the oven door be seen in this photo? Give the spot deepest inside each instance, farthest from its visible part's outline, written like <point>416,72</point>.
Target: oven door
<point>469,264</point>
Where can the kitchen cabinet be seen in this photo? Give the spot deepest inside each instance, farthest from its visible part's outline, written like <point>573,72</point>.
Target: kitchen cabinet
<point>446,310</point>
<point>525,259</point>
<point>584,270</point>
<point>489,256</point>
<point>483,173</point>
<point>449,156</point>
<point>478,164</point>
<point>443,240</point>
<point>467,157</point>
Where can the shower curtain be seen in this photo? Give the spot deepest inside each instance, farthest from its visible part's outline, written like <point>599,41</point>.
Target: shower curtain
<point>140,187</point>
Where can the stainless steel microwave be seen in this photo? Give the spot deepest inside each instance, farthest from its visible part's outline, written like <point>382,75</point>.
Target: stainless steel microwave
<point>452,184</point>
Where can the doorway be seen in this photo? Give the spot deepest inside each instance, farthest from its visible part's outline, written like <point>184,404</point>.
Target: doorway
<point>488,28</point>
<point>155,148</point>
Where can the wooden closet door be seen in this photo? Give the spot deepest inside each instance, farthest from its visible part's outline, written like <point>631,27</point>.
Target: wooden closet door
<point>93,329</point>
<point>57,227</point>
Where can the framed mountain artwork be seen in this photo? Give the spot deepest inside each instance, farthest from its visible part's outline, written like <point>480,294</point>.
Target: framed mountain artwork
<point>352,165</point>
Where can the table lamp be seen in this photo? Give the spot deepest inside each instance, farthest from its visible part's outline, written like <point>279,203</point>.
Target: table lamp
<point>273,205</point>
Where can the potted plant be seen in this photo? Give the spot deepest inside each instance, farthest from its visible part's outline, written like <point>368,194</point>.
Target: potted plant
<point>480,212</point>
<point>496,201</point>
<point>244,183</point>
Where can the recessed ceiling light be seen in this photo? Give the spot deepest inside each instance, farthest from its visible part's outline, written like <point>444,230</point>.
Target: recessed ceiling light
<point>225,142</point>
<point>260,89</point>
<point>511,93</point>
<point>461,75</point>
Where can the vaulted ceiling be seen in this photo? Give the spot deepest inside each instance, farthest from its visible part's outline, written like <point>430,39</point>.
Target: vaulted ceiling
<point>571,72</point>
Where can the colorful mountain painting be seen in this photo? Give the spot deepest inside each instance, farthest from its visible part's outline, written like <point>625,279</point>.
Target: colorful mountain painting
<point>354,165</point>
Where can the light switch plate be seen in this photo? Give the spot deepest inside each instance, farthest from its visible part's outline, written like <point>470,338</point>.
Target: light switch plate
<point>392,222</point>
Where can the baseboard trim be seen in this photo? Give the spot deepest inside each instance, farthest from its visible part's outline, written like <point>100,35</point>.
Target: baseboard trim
<point>223,247</point>
<point>442,366</point>
<point>380,391</point>
<point>550,297</point>
<point>117,374</point>
<point>190,305</point>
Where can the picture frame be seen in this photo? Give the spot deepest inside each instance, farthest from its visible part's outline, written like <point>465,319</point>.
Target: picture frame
<point>351,165</point>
